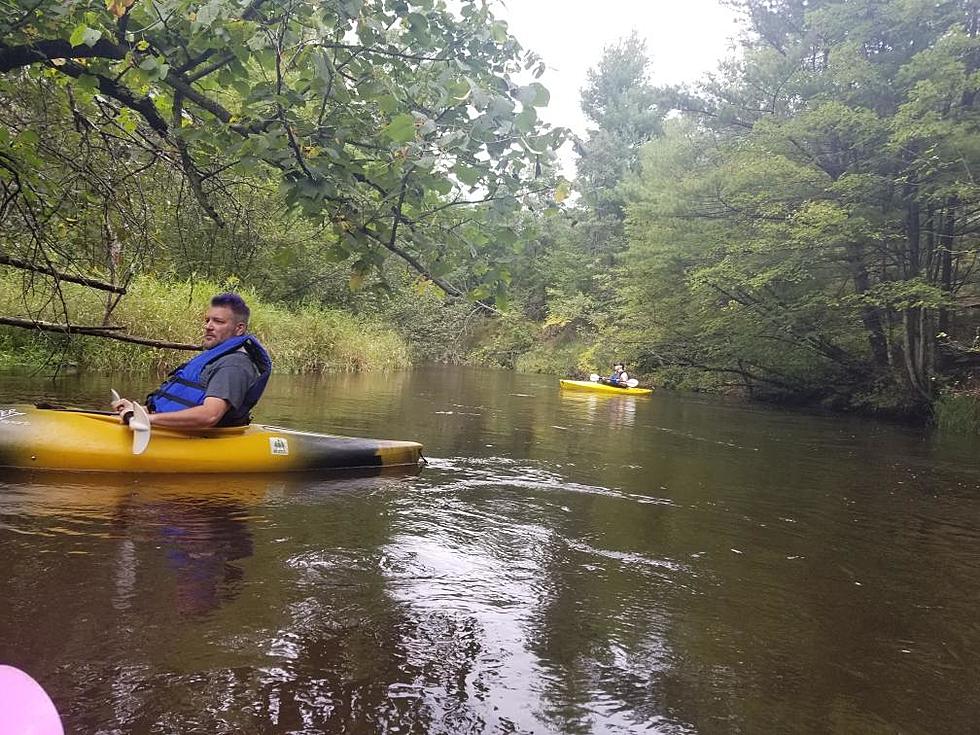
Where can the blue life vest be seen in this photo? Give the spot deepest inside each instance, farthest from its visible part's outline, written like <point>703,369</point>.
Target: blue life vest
<point>183,387</point>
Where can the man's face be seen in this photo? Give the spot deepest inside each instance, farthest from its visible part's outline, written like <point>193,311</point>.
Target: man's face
<point>220,324</point>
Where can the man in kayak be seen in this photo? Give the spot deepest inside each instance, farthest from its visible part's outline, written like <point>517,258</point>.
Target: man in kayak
<point>218,387</point>
<point>619,375</point>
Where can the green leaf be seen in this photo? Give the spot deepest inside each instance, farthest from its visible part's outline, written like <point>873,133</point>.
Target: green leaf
<point>401,129</point>
<point>417,21</point>
<point>501,107</point>
<point>126,120</point>
<point>77,37</point>
<point>525,120</point>
<point>443,186</point>
<point>458,91</point>
<point>498,31</point>
<point>83,34</point>
<point>387,104</point>
<point>467,174</point>
<point>86,83</point>
<point>534,94</point>
<point>27,138</point>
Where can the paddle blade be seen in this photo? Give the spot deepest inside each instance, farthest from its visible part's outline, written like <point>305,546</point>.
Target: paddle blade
<point>140,425</point>
<point>115,396</point>
<point>632,382</point>
<point>26,707</point>
<point>594,377</point>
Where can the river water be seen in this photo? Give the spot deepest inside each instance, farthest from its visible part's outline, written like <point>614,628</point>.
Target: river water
<point>566,563</point>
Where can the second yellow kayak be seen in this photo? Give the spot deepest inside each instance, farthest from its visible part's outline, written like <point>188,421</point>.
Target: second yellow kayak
<point>588,385</point>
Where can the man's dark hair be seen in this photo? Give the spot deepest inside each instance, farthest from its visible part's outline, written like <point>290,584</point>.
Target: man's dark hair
<point>234,302</point>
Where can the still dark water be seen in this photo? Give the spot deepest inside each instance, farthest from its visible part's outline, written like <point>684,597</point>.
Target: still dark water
<point>567,563</point>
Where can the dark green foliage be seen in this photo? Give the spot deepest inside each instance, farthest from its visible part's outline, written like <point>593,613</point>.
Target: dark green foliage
<point>274,141</point>
<point>436,329</point>
<point>801,228</point>
<point>808,233</point>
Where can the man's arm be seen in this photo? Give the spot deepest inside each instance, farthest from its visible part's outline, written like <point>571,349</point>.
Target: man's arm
<point>196,417</point>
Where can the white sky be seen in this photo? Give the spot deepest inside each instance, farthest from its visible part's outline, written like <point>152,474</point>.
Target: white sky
<point>685,39</point>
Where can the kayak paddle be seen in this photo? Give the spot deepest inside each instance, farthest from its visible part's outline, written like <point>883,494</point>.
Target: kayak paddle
<point>26,707</point>
<point>595,378</point>
<point>139,424</point>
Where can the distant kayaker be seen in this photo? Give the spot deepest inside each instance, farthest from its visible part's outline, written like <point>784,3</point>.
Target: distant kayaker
<point>619,375</point>
<point>218,387</point>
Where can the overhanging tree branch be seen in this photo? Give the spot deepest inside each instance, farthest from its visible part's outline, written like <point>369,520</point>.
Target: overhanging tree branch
<point>94,331</point>
<point>49,271</point>
<point>412,261</point>
<point>141,104</point>
<point>190,170</point>
<point>15,57</point>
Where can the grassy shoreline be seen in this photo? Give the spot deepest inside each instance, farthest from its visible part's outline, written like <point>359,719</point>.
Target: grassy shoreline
<point>304,339</point>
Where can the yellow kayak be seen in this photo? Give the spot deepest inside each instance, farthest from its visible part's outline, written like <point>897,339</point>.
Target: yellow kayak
<point>69,439</point>
<point>588,385</point>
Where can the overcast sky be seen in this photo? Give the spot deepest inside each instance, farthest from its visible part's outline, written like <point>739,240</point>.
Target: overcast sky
<point>685,39</point>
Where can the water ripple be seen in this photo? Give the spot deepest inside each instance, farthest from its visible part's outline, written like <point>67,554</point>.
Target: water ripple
<point>503,472</point>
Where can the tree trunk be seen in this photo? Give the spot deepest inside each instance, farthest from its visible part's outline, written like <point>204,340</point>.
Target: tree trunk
<point>915,333</point>
<point>912,352</point>
<point>870,315</point>
<point>946,262</point>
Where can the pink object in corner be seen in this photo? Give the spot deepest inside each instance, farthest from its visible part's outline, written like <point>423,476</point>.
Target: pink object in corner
<point>25,708</point>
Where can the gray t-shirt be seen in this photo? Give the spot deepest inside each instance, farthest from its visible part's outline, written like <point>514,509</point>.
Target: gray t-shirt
<point>230,377</point>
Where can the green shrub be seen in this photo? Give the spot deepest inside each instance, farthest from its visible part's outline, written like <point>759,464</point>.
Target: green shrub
<point>437,329</point>
<point>501,342</point>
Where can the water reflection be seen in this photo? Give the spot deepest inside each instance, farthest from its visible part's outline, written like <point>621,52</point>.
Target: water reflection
<point>611,410</point>
<point>194,528</point>
<point>198,540</point>
<point>566,564</point>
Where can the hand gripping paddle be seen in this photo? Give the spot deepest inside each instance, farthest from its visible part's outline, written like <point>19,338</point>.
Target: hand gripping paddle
<point>139,424</point>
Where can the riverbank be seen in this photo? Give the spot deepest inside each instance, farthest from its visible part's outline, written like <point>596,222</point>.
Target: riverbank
<point>532,347</point>
<point>304,339</point>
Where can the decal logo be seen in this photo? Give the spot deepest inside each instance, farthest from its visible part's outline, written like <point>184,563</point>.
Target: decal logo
<point>278,445</point>
<point>6,414</point>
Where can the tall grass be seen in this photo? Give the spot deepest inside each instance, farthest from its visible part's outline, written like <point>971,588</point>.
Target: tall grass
<point>305,339</point>
<point>957,412</point>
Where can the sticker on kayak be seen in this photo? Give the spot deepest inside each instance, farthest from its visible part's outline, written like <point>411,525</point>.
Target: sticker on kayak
<point>7,414</point>
<point>278,445</point>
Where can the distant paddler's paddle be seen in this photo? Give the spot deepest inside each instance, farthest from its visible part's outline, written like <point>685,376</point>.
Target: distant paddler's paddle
<point>139,424</point>
<point>596,378</point>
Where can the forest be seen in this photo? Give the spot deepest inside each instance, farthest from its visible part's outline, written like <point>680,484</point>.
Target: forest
<point>800,226</point>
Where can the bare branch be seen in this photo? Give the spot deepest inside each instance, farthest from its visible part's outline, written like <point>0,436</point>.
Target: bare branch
<point>94,331</point>
<point>49,271</point>
<point>190,169</point>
